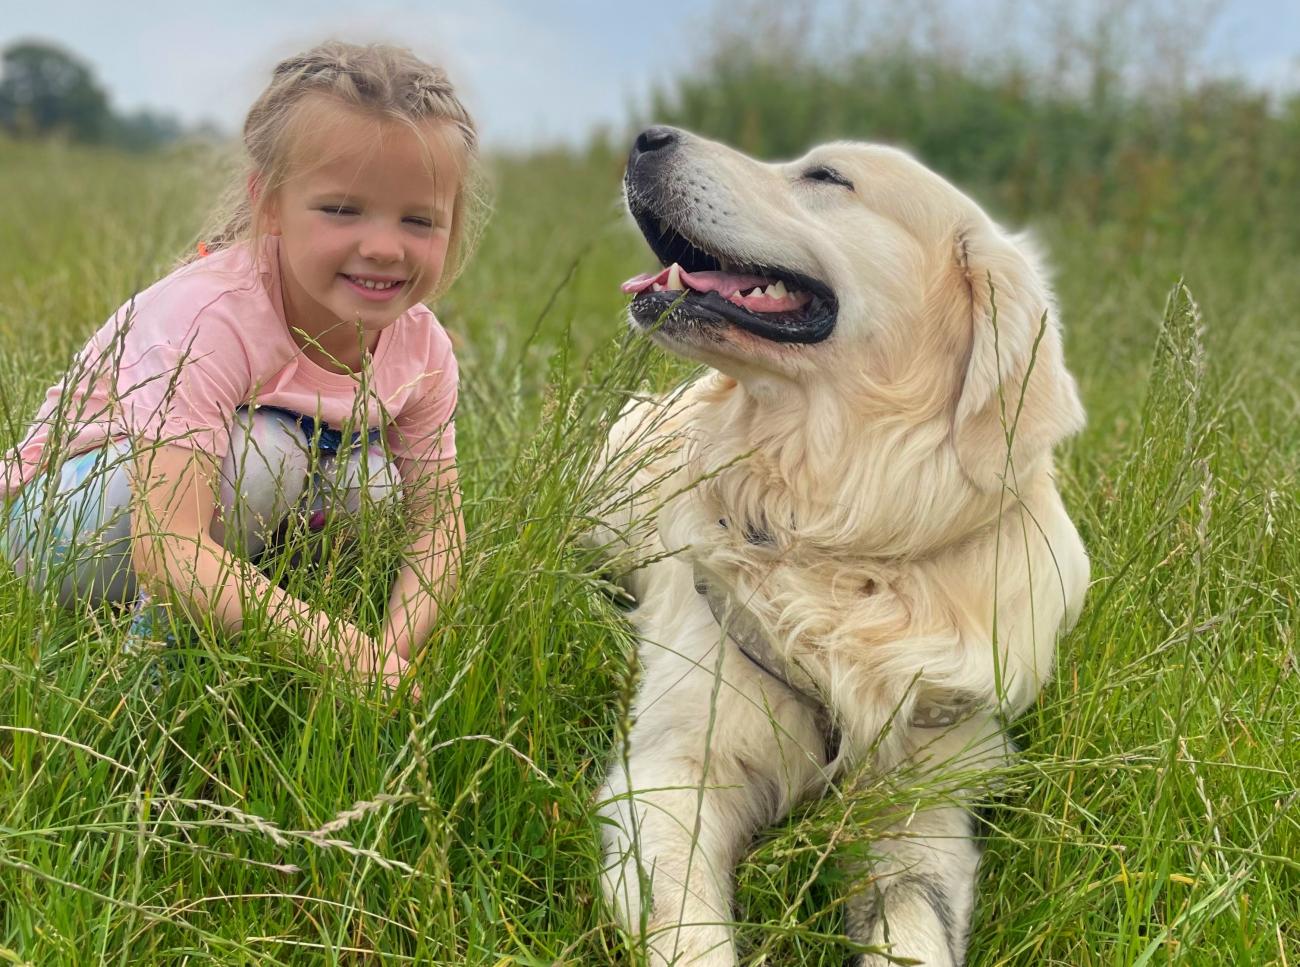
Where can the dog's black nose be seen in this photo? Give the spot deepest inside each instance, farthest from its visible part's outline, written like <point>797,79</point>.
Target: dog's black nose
<point>655,139</point>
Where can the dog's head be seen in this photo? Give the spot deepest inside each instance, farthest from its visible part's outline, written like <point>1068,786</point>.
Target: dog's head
<point>857,273</point>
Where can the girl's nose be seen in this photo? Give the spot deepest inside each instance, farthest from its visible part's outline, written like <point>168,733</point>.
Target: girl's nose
<point>380,245</point>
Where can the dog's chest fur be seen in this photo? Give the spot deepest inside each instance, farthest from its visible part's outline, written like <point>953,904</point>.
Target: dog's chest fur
<point>882,632</point>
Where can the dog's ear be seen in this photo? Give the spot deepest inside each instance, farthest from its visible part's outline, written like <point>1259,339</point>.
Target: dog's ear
<point>1015,398</point>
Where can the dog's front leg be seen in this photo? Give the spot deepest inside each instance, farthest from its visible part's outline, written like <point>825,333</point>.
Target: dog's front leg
<point>709,759</point>
<point>674,839</point>
<point>918,900</point>
<point>918,896</point>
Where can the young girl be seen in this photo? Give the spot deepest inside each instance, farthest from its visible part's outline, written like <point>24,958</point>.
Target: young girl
<point>277,372</point>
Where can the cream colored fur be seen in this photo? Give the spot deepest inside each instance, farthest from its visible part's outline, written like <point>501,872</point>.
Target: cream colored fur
<point>904,528</point>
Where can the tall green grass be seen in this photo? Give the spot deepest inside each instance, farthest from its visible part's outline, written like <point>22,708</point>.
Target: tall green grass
<point>1034,106</point>
<point>255,809</point>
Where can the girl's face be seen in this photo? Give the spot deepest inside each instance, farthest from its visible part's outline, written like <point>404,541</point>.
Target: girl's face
<point>364,232</point>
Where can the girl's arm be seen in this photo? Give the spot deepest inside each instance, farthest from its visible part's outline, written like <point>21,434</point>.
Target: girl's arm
<point>431,563</point>
<point>172,548</point>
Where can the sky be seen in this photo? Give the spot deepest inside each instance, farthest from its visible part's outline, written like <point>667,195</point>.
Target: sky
<point>532,73</point>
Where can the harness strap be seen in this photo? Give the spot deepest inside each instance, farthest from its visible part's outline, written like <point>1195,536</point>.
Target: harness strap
<point>747,634</point>
<point>744,629</point>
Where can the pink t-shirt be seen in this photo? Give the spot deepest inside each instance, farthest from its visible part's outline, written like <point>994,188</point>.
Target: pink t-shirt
<point>176,361</point>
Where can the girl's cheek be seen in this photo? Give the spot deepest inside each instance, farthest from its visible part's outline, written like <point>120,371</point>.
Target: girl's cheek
<point>335,238</point>
<point>434,253</point>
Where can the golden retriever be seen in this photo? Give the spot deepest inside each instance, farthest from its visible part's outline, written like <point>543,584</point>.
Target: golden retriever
<point>854,558</point>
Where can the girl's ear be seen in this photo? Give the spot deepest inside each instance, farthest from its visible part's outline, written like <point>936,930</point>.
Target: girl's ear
<point>270,212</point>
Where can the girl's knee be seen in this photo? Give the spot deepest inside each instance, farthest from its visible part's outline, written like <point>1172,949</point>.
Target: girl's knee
<point>263,477</point>
<point>266,447</point>
<point>348,481</point>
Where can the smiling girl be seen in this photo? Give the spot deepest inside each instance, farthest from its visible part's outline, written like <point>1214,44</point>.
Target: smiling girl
<point>289,370</point>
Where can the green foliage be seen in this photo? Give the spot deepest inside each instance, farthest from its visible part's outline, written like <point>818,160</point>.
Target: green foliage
<point>46,90</point>
<point>144,129</point>
<point>1213,154</point>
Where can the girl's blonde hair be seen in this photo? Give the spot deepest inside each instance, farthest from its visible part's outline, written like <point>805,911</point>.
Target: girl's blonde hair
<point>383,81</point>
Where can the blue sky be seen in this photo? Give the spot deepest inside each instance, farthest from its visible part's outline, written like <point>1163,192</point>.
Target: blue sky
<point>531,72</point>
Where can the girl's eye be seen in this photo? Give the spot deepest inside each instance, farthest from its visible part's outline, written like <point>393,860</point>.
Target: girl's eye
<point>827,175</point>
<point>338,210</point>
<point>419,222</point>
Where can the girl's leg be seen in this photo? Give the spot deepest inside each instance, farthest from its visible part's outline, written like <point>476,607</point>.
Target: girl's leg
<point>70,529</point>
<point>74,530</point>
<point>343,482</point>
<point>263,477</point>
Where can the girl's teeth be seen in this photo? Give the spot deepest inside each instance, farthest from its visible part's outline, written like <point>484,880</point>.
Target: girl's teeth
<point>369,284</point>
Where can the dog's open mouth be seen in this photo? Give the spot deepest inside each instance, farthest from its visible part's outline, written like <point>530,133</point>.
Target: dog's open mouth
<point>706,286</point>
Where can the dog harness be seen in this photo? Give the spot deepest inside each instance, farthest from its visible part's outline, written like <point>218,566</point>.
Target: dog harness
<point>746,632</point>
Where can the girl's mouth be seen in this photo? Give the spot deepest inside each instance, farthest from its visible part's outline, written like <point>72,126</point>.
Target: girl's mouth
<point>374,290</point>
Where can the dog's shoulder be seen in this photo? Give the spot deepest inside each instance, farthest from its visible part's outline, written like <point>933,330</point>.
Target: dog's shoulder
<point>1020,584</point>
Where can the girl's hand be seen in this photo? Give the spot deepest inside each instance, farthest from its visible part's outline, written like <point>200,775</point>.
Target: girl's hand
<point>394,671</point>
<point>369,663</point>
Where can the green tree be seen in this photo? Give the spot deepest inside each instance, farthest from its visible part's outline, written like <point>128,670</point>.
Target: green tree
<point>46,90</point>
<point>144,130</point>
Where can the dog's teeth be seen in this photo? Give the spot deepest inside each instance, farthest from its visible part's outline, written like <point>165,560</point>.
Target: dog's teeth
<point>657,287</point>
<point>755,293</point>
<point>777,291</point>
<point>675,278</point>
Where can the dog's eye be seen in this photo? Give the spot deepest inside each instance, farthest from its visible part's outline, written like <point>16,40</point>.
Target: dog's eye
<point>828,175</point>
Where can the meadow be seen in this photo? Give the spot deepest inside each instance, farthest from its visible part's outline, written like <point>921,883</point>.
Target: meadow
<point>230,803</point>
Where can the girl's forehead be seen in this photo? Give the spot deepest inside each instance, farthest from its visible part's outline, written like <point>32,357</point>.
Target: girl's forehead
<point>343,143</point>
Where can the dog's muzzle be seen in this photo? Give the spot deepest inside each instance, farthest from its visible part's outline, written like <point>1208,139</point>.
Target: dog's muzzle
<point>704,282</point>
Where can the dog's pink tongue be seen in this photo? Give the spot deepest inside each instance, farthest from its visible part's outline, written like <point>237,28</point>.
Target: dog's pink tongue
<point>729,285</point>
<point>723,283</point>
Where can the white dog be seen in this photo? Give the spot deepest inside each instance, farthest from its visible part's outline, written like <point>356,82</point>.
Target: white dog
<point>853,554</point>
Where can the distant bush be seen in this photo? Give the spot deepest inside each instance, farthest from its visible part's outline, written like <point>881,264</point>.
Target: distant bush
<point>1113,137</point>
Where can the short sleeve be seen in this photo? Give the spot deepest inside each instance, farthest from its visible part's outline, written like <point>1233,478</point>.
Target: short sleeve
<point>183,388</point>
<point>423,435</point>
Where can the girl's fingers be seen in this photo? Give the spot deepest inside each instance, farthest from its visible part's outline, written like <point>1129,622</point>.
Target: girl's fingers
<point>398,677</point>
